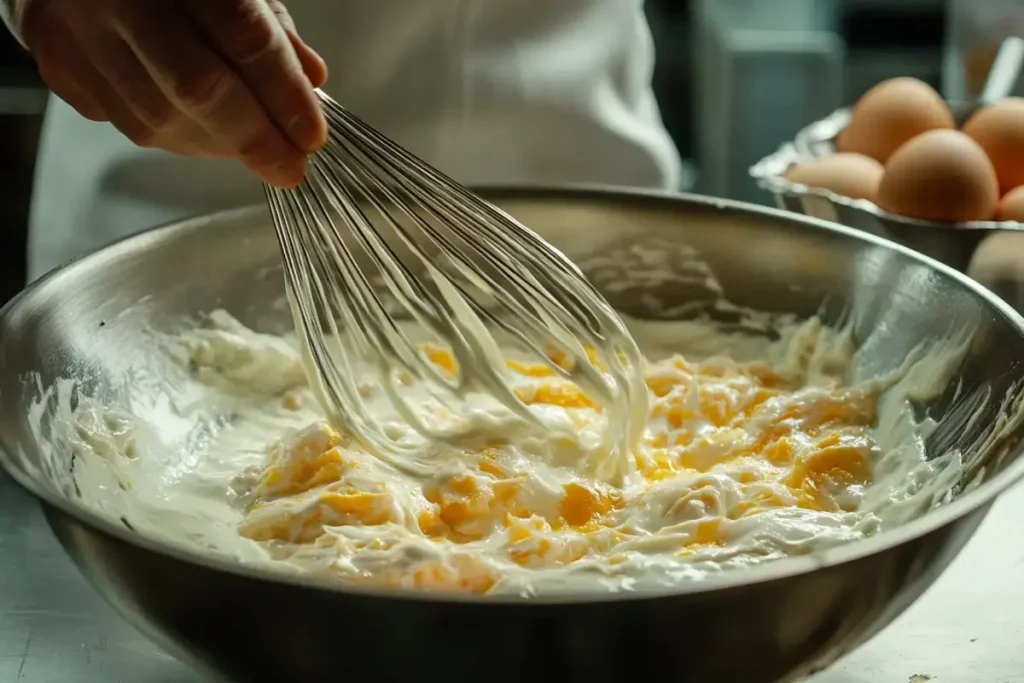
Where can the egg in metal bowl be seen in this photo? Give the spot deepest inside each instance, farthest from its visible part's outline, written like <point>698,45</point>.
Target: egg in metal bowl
<point>946,177</point>
<point>98,321</point>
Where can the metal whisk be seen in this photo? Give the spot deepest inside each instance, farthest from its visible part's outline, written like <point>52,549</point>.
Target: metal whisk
<point>373,236</point>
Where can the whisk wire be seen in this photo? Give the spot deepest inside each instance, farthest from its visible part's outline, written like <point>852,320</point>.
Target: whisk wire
<point>425,191</point>
<point>474,346</point>
<point>392,338</point>
<point>458,268</point>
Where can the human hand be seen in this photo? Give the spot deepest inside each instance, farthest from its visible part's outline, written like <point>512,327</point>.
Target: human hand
<point>206,78</point>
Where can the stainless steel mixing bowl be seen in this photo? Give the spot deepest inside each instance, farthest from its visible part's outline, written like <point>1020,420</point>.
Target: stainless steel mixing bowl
<point>90,320</point>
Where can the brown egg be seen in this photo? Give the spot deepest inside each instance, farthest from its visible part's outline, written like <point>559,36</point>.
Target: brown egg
<point>891,113</point>
<point>1011,206</point>
<point>999,129</point>
<point>848,175</point>
<point>941,175</point>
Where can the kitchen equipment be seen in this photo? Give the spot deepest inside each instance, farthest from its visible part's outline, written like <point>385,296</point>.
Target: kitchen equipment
<point>370,218</point>
<point>651,255</point>
<point>975,32</point>
<point>1005,73</point>
<point>761,71</point>
<point>952,243</point>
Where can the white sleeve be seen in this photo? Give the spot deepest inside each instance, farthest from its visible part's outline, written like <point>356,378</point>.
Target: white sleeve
<point>9,16</point>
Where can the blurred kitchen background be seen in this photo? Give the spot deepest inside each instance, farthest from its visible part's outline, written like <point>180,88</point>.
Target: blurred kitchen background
<point>735,78</point>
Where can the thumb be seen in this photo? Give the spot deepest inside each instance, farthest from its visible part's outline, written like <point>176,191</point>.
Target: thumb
<point>312,63</point>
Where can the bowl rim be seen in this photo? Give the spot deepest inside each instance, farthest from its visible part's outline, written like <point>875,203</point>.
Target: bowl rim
<point>976,499</point>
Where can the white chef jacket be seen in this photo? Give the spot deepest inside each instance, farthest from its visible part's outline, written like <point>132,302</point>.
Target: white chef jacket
<point>489,91</point>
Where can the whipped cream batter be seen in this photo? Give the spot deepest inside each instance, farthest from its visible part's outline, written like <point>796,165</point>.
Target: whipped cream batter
<point>757,452</point>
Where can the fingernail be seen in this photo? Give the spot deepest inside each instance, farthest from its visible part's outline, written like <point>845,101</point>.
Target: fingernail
<point>284,175</point>
<point>325,71</point>
<point>307,133</point>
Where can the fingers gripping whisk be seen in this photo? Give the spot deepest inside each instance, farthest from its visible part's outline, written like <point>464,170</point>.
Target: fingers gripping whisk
<point>385,257</point>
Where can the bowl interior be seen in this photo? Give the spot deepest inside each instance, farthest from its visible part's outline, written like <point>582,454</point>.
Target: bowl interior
<point>98,321</point>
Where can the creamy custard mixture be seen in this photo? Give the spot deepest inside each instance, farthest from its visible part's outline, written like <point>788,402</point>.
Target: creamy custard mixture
<point>750,454</point>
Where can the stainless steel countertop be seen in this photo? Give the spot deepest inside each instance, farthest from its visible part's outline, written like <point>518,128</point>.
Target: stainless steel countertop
<point>54,629</point>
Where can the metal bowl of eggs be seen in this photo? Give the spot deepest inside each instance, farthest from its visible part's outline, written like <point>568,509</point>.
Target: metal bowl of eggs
<point>941,178</point>
<point>94,333</point>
